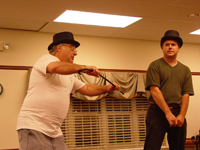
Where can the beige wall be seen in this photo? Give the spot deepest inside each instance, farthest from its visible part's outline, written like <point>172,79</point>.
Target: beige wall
<point>107,53</point>
<point>14,85</point>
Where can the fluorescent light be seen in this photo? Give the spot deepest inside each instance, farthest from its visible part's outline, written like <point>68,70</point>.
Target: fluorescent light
<point>98,19</point>
<point>197,32</point>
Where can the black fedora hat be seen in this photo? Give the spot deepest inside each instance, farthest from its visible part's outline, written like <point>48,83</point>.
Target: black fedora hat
<point>171,35</point>
<point>63,37</point>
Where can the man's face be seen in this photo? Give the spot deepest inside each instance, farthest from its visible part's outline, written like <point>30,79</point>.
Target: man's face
<point>170,48</point>
<point>68,52</point>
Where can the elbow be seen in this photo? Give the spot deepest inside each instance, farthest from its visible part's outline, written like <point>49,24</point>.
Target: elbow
<point>154,89</point>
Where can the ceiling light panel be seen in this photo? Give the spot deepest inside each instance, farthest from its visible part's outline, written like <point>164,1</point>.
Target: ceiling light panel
<point>197,32</point>
<point>98,19</point>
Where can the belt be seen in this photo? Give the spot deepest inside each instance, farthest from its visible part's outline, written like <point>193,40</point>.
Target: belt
<point>173,105</point>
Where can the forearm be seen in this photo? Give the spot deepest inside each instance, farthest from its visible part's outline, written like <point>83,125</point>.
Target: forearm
<point>184,104</point>
<point>159,99</point>
<point>63,68</point>
<point>93,90</point>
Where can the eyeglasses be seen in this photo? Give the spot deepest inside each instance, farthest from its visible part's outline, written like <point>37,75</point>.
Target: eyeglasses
<point>73,48</point>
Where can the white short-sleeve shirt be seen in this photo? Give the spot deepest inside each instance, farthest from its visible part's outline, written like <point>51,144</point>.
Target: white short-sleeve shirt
<point>47,101</point>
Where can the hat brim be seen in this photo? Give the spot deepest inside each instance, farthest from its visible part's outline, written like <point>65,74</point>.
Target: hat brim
<point>178,39</point>
<point>75,43</point>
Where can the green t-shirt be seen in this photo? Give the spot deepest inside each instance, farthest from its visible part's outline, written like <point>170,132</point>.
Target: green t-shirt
<point>172,81</point>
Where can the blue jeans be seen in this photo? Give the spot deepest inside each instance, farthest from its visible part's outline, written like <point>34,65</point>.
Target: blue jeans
<point>157,126</point>
<point>35,140</point>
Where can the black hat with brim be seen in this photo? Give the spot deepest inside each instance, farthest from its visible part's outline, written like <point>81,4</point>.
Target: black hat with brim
<point>63,37</point>
<point>171,35</point>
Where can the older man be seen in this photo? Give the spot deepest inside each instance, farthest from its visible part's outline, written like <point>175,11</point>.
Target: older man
<point>47,101</point>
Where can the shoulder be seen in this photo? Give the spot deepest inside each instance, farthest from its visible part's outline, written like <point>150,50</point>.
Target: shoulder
<point>156,62</point>
<point>46,59</point>
<point>181,65</point>
<point>48,56</point>
<point>42,63</point>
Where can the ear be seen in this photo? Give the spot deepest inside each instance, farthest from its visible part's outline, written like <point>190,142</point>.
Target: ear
<point>58,48</point>
<point>179,48</point>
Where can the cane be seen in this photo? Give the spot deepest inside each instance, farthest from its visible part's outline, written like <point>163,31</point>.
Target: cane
<point>79,72</point>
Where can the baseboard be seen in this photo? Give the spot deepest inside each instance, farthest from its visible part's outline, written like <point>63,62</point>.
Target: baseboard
<point>188,143</point>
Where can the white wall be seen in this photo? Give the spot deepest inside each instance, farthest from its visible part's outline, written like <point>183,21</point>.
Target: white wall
<point>107,53</point>
<point>192,116</point>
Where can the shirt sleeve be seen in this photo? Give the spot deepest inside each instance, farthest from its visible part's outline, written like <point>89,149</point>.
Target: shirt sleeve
<point>41,64</point>
<point>152,76</point>
<point>188,86</point>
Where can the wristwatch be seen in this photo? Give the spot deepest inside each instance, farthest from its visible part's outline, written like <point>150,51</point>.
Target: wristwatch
<point>1,89</point>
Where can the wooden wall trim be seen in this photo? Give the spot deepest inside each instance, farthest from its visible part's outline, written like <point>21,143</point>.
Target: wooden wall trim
<point>195,73</point>
<point>15,67</point>
<point>10,149</point>
<point>109,70</point>
<point>29,67</point>
<point>120,70</point>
